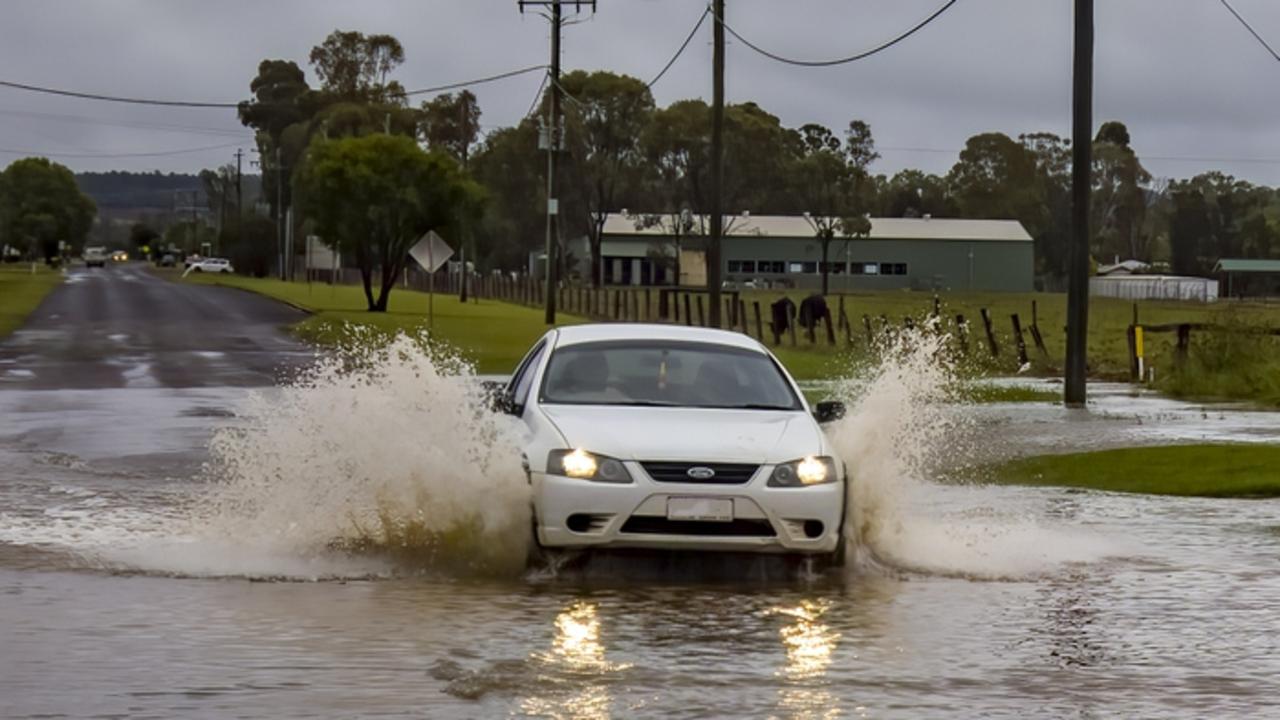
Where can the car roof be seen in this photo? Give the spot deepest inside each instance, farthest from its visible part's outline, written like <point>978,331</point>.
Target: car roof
<point>604,332</point>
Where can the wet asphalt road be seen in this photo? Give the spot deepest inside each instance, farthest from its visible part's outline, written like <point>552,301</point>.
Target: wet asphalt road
<point>125,327</point>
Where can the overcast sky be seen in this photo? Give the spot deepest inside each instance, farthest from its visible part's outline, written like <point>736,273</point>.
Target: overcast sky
<point>1196,91</point>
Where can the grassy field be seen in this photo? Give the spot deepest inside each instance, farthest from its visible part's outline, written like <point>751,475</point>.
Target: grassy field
<point>21,291</point>
<point>1246,471</point>
<point>1108,320</point>
<point>495,335</point>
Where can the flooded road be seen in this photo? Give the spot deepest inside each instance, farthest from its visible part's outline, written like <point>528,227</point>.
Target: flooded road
<point>122,596</point>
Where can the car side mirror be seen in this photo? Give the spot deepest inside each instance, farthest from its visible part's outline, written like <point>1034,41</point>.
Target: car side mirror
<point>828,411</point>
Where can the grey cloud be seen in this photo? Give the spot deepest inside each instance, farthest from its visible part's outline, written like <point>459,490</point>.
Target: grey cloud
<point>1184,76</point>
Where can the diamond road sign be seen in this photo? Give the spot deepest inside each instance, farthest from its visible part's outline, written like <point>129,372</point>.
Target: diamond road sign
<point>431,252</point>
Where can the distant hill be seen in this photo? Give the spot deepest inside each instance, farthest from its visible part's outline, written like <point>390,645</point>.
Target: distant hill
<point>128,190</point>
<point>152,192</point>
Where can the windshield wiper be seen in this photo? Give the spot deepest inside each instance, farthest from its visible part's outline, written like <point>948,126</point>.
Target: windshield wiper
<point>645,403</point>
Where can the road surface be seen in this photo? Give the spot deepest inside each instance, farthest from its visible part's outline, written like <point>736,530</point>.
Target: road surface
<point>124,327</point>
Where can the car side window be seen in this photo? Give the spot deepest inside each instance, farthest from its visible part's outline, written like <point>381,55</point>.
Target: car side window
<point>522,381</point>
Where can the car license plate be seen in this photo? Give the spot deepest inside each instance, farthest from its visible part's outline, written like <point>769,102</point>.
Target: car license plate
<point>696,508</point>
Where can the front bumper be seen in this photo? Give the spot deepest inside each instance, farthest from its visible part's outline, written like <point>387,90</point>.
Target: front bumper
<point>572,513</point>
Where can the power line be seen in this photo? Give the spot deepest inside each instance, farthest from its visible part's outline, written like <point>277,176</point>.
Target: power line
<point>82,119</point>
<point>477,81</point>
<point>537,96</point>
<point>701,19</point>
<point>192,104</point>
<point>841,61</point>
<point>113,98</point>
<point>1252,32</point>
<point>105,156</point>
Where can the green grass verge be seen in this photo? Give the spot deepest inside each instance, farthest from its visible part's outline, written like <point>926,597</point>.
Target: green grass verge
<point>21,292</point>
<point>1244,471</point>
<point>494,335</point>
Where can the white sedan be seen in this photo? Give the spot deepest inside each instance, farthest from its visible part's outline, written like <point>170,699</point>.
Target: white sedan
<point>213,265</point>
<point>670,437</point>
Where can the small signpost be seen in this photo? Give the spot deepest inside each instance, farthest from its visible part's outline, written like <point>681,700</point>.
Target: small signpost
<point>431,252</point>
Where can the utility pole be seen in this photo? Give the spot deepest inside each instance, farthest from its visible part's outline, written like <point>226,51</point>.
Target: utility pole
<point>464,127</point>
<point>239,202</point>
<point>195,235</point>
<point>554,141</point>
<point>717,165</point>
<point>1081,168</point>
<point>280,212</point>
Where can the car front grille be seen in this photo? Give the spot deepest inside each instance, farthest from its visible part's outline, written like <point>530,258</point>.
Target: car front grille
<point>724,473</point>
<point>652,525</point>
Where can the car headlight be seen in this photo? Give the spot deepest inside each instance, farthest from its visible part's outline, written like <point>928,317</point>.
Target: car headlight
<point>587,466</point>
<point>803,472</point>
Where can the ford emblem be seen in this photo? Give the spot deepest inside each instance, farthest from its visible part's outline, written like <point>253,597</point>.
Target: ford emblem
<point>700,473</point>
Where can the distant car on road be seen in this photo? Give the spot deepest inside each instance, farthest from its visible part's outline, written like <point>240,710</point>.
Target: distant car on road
<point>95,256</point>
<point>661,437</point>
<point>168,260</point>
<point>119,256</point>
<point>213,265</point>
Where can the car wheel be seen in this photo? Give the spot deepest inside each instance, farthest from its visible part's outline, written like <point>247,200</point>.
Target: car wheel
<point>196,270</point>
<point>226,272</point>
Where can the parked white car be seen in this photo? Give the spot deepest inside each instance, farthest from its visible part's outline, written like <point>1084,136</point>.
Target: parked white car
<point>213,265</point>
<point>670,437</point>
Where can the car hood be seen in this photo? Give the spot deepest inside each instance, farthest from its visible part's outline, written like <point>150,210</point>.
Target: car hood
<point>694,434</point>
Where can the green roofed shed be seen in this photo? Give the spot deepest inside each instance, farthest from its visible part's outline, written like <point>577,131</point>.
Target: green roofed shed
<point>1231,267</point>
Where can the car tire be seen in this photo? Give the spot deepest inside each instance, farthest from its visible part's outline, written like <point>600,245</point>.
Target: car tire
<point>225,272</point>
<point>196,270</point>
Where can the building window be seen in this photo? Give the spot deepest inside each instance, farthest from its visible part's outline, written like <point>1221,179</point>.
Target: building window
<point>735,266</point>
<point>795,267</point>
<point>834,268</point>
<point>771,266</point>
<point>856,268</point>
<point>810,268</point>
<point>871,268</point>
<point>748,266</point>
<point>899,268</point>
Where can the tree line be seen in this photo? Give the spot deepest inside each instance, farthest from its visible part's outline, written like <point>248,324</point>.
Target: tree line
<point>321,146</point>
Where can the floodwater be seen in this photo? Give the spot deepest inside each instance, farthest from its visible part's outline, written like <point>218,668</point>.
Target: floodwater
<point>169,553</point>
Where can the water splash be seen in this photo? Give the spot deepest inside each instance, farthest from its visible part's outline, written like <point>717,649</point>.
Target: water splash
<point>389,449</point>
<point>906,429</point>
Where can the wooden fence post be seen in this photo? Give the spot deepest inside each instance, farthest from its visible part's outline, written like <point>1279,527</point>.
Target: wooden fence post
<point>759,323</point>
<point>688,317</point>
<point>866,323</point>
<point>1020,340</point>
<point>742,317</point>
<point>664,305</point>
<point>848,326</point>
<point>791,326</point>
<point>1184,342</point>
<point>617,305</point>
<point>962,334</point>
<point>702,318</point>
<point>991,335</point>
<point>831,328</point>
<point>844,320</point>
<point>1131,334</point>
<point>647,298</point>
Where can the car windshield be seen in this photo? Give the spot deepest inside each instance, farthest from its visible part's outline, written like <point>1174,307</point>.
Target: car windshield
<point>658,373</point>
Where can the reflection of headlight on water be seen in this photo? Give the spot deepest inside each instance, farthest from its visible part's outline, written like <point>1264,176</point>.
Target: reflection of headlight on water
<point>809,643</point>
<point>583,691</point>
<point>577,638</point>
